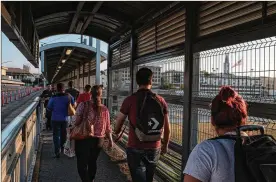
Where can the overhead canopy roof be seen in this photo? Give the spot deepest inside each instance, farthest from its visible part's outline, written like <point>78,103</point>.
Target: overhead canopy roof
<point>103,20</point>
<point>26,22</point>
<point>55,53</point>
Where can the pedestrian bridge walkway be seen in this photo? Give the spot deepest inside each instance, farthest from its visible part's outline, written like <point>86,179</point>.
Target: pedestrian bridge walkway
<point>64,169</point>
<point>193,48</point>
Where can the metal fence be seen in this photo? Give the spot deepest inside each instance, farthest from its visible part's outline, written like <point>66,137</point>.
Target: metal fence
<point>250,68</point>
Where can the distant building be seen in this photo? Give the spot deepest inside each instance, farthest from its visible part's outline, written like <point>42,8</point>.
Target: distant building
<point>173,77</point>
<point>3,70</point>
<point>121,78</point>
<point>18,73</point>
<point>26,68</point>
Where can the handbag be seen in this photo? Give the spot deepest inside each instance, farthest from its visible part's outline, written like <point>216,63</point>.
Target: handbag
<point>71,110</point>
<point>84,129</point>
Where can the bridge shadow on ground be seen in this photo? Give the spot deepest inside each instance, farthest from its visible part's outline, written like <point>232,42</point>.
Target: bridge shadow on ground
<point>64,169</point>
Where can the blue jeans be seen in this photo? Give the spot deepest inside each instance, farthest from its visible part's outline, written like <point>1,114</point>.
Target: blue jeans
<point>142,163</point>
<point>59,134</point>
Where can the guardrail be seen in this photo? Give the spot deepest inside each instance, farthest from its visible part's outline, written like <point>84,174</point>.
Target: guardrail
<point>20,141</point>
<point>13,95</point>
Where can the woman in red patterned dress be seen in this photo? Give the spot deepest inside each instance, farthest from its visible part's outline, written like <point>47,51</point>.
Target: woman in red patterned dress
<point>88,150</point>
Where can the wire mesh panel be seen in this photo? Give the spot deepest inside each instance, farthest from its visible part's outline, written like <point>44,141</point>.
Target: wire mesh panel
<point>176,122</point>
<point>249,68</point>
<point>168,75</point>
<point>120,87</point>
<point>121,79</point>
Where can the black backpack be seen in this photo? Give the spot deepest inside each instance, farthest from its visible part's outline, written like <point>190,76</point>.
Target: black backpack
<point>255,156</point>
<point>149,116</point>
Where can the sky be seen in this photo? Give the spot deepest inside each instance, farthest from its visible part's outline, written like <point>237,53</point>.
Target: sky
<point>12,57</point>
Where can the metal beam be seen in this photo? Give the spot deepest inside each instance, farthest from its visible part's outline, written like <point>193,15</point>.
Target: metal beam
<point>133,44</point>
<point>109,77</point>
<point>76,16</point>
<point>190,34</point>
<point>98,62</point>
<point>90,18</point>
<point>70,44</point>
<point>83,66</point>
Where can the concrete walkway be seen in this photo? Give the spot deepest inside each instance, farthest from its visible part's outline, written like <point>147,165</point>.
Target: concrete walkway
<point>64,169</point>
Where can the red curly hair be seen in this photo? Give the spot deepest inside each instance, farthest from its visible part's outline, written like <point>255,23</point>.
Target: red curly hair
<point>228,109</point>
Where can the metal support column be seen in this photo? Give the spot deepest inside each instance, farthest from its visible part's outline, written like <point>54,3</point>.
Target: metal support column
<point>190,33</point>
<point>83,66</point>
<point>42,59</point>
<point>78,77</point>
<point>109,77</point>
<point>133,43</point>
<point>89,66</point>
<point>98,62</point>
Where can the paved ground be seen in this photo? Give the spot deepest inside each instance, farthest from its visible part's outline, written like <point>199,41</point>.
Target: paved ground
<point>65,169</point>
<point>13,109</point>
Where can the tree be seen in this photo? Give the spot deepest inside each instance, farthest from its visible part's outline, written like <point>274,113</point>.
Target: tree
<point>205,73</point>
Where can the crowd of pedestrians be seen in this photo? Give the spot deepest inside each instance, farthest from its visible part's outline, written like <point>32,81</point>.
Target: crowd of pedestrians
<point>214,160</point>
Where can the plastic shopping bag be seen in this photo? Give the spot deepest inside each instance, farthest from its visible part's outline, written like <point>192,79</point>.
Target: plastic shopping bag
<point>69,146</point>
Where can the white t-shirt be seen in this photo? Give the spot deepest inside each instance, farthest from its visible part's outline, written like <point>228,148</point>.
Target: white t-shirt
<point>212,161</point>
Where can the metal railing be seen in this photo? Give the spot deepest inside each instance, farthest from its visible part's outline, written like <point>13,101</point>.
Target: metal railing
<point>19,142</point>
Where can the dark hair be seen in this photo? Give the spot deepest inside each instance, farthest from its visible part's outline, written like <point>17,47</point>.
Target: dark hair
<point>144,76</point>
<point>96,97</point>
<point>87,88</point>
<point>228,108</point>
<point>60,87</point>
<point>70,84</point>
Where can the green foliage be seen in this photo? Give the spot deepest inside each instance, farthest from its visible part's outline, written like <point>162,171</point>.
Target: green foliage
<point>166,86</point>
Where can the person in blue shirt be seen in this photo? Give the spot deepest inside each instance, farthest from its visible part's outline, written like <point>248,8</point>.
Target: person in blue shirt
<point>58,104</point>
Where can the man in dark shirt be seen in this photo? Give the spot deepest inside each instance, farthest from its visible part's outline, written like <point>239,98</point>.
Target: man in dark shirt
<point>46,95</point>
<point>142,157</point>
<point>72,91</point>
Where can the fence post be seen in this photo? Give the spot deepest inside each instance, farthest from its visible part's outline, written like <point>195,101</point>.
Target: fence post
<point>190,35</point>
<point>133,44</point>
<point>109,77</point>
<point>2,98</point>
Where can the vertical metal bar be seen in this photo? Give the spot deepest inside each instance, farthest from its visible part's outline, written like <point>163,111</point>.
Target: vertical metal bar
<point>190,33</point>
<point>264,9</point>
<point>78,76</point>
<point>42,60</point>
<point>109,76</point>
<point>89,65</point>
<point>98,62</point>
<point>83,66</point>
<point>133,43</point>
